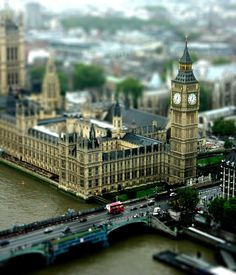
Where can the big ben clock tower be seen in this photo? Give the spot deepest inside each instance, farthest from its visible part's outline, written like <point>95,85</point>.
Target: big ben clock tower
<point>184,122</point>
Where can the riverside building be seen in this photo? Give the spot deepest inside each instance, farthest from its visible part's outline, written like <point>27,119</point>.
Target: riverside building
<point>87,156</point>
<point>92,157</point>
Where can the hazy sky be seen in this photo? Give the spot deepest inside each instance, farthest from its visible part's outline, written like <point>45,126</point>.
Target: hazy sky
<point>58,5</point>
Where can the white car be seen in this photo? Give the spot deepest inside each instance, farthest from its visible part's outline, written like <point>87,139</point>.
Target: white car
<point>48,230</point>
<point>156,211</point>
<point>172,194</point>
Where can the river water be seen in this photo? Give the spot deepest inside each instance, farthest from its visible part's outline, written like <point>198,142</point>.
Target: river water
<point>24,199</point>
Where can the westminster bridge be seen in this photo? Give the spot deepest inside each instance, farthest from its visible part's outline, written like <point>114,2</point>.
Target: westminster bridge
<point>45,241</point>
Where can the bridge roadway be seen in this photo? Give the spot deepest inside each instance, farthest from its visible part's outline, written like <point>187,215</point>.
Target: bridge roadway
<point>93,221</point>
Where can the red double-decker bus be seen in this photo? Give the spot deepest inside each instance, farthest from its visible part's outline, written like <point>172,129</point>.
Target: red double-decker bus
<point>115,207</point>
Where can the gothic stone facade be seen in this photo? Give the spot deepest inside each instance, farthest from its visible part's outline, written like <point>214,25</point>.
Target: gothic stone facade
<point>12,53</point>
<point>93,157</point>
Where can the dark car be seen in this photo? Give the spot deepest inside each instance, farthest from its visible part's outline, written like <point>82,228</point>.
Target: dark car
<point>83,219</point>
<point>4,243</point>
<point>143,205</point>
<point>151,202</point>
<point>133,208</point>
<point>66,230</point>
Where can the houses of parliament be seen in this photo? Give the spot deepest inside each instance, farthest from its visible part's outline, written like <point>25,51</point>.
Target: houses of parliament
<point>89,156</point>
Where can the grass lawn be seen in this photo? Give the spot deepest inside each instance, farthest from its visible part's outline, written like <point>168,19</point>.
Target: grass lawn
<point>210,161</point>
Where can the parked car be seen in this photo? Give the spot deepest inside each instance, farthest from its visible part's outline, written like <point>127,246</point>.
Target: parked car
<point>173,194</point>
<point>143,205</point>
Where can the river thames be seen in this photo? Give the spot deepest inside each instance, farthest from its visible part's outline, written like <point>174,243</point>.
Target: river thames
<point>24,199</point>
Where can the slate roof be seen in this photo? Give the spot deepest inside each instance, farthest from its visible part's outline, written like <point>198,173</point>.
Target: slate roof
<point>131,116</point>
<point>186,59</point>
<point>185,77</point>
<point>117,110</point>
<point>139,140</point>
<point>51,120</point>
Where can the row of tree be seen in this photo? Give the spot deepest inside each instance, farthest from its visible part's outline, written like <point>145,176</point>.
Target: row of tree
<point>223,127</point>
<point>90,77</point>
<point>186,199</point>
<point>223,211</point>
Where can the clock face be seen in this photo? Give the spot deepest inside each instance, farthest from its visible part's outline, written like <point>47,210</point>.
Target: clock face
<point>192,99</point>
<point>177,98</point>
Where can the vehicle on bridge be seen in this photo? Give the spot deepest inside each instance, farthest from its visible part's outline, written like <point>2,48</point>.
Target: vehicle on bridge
<point>115,207</point>
<point>48,230</point>
<point>66,230</point>
<point>4,243</point>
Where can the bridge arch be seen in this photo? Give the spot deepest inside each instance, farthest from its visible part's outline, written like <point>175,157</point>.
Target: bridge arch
<point>126,226</point>
<point>27,261</point>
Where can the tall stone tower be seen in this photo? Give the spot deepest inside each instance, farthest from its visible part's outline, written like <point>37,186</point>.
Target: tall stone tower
<point>12,52</point>
<point>184,122</point>
<point>117,121</point>
<point>50,97</point>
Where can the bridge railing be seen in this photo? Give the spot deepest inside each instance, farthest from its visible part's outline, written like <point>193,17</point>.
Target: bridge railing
<point>21,229</point>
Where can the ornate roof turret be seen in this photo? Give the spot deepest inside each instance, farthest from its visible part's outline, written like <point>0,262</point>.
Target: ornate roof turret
<point>117,111</point>
<point>186,59</point>
<point>92,142</point>
<point>92,132</point>
<point>50,65</point>
<point>12,98</point>
<point>185,73</point>
<point>127,102</point>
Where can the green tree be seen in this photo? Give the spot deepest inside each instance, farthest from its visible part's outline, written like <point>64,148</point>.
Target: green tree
<point>187,199</point>
<point>159,50</point>
<point>220,61</point>
<point>133,87</point>
<point>216,209</point>
<point>224,127</point>
<point>223,211</point>
<point>228,144</point>
<point>37,73</point>
<point>88,76</point>
<point>63,78</point>
<point>168,66</point>
<point>194,57</point>
<point>205,99</point>
<point>229,213</point>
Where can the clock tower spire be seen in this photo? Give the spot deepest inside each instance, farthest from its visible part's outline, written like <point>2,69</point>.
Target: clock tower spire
<point>184,122</point>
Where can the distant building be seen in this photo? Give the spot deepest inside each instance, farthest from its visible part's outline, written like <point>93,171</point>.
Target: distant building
<point>205,49</point>
<point>155,101</point>
<point>34,16</point>
<point>48,94</point>
<point>229,175</point>
<point>207,118</point>
<point>12,49</point>
<point>220,81</point>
